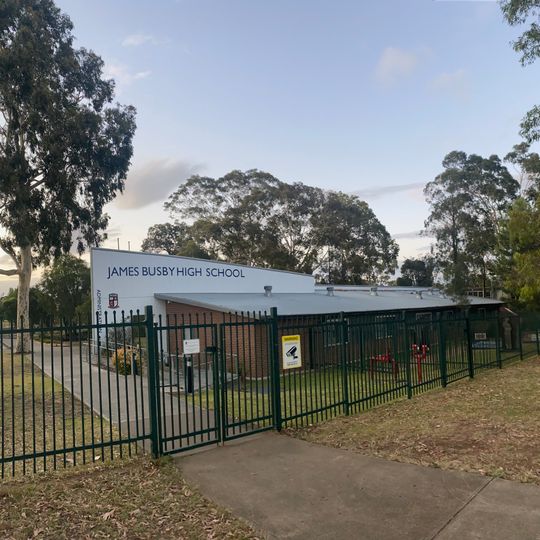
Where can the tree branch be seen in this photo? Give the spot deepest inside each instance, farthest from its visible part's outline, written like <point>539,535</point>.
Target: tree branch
<point>8,272</point>
<point>11,252</point>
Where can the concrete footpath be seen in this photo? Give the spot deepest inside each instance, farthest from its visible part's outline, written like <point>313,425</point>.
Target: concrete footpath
<point>289,488</point>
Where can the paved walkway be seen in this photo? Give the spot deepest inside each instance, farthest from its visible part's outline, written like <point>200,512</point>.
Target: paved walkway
<point>123,399</point>
<point>289,488</point>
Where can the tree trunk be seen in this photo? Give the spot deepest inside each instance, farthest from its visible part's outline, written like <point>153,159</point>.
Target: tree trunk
<point>23,300</point>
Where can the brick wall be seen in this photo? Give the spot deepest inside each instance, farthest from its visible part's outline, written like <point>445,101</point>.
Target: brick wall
<point>244,338</point>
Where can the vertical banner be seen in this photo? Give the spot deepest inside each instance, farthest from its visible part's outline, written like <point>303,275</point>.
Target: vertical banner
<point>291,352</point>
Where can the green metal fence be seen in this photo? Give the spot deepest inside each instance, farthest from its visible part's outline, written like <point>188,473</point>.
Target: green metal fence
<point>80,393</point>
<point>74,394</point>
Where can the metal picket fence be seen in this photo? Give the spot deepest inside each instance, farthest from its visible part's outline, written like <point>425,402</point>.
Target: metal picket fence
<point>81,393</point>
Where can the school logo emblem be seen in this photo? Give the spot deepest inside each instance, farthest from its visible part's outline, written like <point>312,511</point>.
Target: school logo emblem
<point>113,300</point>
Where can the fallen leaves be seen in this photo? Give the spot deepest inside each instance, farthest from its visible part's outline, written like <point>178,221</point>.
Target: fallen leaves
<point>133,499</point>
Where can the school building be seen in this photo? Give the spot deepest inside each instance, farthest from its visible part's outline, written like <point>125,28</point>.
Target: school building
<point>189,293</point>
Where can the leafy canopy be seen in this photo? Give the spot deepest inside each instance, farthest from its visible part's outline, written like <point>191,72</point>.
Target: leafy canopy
<point>67,284</point>
<point>40,306</point>
<point>523,233</point>
<point>518,13</point>
<point>255,219</point>
<point>416,272</point>
<point>467,203</point>
<point>64,147</point>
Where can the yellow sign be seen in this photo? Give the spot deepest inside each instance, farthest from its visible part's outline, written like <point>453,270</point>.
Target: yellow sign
<point>292,352</point>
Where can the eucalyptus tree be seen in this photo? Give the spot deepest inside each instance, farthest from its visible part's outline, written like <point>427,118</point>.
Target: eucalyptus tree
<point>519,13</point>
<point>65,147</point>
<point>527,169</point>
<point>521,276</point>
<point>417,272</point>
<point>254,218</point>
<point>358,247</point>
<point>468,202</point>
<point>173,239</point>
<point>67,284</point>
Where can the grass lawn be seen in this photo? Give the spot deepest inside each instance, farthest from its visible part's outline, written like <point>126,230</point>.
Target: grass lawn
<point>302,392</point>
<point>489,425</point>
<point>310,396</point>
<point>130,499</point>
<point>37,414</point>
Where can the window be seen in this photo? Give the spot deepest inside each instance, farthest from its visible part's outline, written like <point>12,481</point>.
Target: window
<point>425,316</point>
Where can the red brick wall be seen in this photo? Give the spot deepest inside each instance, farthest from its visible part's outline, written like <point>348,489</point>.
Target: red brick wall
<point>245,341</point>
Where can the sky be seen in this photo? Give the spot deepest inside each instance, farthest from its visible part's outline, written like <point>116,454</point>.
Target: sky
<point>365,97</point>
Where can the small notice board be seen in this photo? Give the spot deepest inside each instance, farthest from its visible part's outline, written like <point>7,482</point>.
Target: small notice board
<point>291,352</point>
<point>191,346</point>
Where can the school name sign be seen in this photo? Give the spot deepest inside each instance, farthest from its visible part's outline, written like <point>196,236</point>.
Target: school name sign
<point>128,280</point>
<point>173,272</point>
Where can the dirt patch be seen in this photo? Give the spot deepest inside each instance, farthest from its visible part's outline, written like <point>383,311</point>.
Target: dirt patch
<point>489,425</point>
<point>135,499</point>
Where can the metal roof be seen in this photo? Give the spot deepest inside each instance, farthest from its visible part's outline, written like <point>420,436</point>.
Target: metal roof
<point>318,302</point>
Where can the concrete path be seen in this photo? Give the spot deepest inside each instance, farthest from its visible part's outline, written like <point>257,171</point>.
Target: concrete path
<point>124,399</point>
<point>289,488</point>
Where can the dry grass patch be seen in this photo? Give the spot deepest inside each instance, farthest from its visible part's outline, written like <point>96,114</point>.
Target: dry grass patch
<point>39,415</point>
<point>489,425</point>
<point>135,499</point>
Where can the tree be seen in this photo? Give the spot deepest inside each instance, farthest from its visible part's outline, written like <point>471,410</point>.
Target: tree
<point>67,284</point>
<point>358,247</point>
<point>467,203</point>
<point>519,12</point>
<point>173,239</point>
<point>64,148</point>
<point>417,273</point>
<point>40,306</point>
<point>527,166</point>
<point>255,219</point>
<point>251,218</point>
<point>522,279</point>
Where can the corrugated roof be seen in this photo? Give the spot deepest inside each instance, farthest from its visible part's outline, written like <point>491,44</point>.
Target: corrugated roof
<point>317,303</point>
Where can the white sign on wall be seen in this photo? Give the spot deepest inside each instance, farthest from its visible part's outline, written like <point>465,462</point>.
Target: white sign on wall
<point>128,280</point>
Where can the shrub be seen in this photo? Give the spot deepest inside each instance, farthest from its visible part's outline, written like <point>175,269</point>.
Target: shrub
<point>126,360</point>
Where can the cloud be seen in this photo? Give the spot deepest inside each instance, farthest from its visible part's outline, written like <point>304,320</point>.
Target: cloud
<point>455,84</point>
<point>6,261</point>
<point>407,235</point>
<point>136,40</point>
<point>123,76</point>
<point>153,182</point>
<point>395,64</point>
<point>113,232</point>
<point>381,191</point>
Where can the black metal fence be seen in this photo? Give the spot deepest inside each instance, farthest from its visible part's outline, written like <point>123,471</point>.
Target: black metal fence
<point>80,393</point>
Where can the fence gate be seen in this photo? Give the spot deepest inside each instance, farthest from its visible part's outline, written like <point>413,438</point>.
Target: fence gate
<point>247,378</point>
<point>185,374</point>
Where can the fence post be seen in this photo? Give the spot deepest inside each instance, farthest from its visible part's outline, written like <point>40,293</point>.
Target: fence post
<point>407,356</point>
<point>274,352</point>
<point>442,352</point>
<point>520,337</point>
<point>344,374</point>
<point>537,342</point>
<point>153,383</point>
<point>470,359</point>
<point>498,341</point>
<point>220,392</point>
